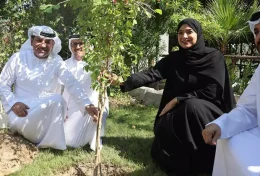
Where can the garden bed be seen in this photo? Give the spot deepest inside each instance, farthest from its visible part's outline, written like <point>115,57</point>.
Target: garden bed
<point>86,169</point>
<point>15,151</point>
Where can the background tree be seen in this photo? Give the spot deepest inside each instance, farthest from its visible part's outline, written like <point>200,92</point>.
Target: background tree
<point>17,16</point>
<point>232,17</point>
<point>147,30</point>
<point>110,25</point>
<point>14,17</point>
<point>60,17</point>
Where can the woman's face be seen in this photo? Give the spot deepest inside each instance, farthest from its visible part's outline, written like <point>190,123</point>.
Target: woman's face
<point>187,37</point>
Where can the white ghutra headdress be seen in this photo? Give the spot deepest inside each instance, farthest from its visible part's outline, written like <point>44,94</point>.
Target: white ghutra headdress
<point>43,32</point>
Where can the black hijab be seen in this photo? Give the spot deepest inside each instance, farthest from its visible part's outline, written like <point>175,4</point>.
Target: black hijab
<point>198,50</point>
<point>207,62</point>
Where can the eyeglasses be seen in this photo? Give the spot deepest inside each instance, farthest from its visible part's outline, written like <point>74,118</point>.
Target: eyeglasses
<point>255,16</point>
<point>75,44</point>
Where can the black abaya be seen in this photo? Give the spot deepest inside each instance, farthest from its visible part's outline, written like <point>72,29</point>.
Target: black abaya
<point>199,79</point>
<point>178,134</point>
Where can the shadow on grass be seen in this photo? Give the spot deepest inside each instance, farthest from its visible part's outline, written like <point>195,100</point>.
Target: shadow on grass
<point>61,152</point>
<point>53,151</point>
<point>137,150</point>
<point>133,115</point>
<point>150,170</point>
<point>133,148</point>
<point>126,119</point>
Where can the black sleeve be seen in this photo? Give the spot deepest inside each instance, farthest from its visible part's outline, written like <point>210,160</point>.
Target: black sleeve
<point>154,74</point>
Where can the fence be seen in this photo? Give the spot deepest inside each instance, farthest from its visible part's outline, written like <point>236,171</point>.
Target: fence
<point>241,69</point>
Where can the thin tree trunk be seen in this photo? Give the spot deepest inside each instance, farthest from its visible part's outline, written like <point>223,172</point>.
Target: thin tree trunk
<point>223,48</point>
<point>101,106</point>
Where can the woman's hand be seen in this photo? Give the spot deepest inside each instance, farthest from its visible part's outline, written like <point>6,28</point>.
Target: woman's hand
<point>169,106</point>
<point>114,79</point>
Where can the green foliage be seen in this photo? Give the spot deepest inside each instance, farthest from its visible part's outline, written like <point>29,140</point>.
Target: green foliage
<point>240,74</point>
<point>158,11</point>
<point>13,17</point>
<point>48,7</point>
<point>147,31</point>
<point>110,26</point>
<point>115,92</point>
<point>231,16</point>
<point>58,15</point>
<point>16,19</point>
<point>179,10</point>
<point>248,71</point>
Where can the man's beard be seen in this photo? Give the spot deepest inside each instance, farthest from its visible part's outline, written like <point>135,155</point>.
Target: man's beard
<point>78,57</point>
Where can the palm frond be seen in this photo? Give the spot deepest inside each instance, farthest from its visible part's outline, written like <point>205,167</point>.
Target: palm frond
<point>232,17</point>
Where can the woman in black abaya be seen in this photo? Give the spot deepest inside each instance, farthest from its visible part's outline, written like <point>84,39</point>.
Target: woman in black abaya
<point>196,92</point>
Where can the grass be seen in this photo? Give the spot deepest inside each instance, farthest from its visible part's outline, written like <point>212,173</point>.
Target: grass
<point>127,144</point>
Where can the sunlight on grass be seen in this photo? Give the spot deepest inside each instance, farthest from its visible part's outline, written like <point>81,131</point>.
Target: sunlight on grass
<point>127,144</point>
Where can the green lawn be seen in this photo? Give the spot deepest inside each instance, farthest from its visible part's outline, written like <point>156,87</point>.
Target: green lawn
<point>126,144</point>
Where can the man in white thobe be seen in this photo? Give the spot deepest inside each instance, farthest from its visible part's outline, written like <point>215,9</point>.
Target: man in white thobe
<point>80,129</point>
<point>30,94</point>
<point>238,150</point>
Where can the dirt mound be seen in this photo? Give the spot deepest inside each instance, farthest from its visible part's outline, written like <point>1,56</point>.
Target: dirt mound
<point>122,101</point>
<point>86,169</point>
<point>15,151</point>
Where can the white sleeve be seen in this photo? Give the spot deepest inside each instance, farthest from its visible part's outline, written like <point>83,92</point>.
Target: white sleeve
<point>244,116</point>
<point>7,79</point>
<point>73,86</point>
<point>66,95</point>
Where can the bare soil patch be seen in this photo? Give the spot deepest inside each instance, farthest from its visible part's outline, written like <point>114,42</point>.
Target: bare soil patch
<point>15,151</point>
<point>86,169</point>
<point>115,102</point>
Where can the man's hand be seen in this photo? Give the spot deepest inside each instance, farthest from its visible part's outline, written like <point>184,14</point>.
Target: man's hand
<point>211,134</point>
<point>92,111</point>
<point>169,106</point>
<point>20,109</point>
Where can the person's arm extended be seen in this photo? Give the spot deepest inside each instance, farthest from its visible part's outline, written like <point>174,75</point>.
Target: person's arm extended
<point>72,85</point>
<point>242,118</point>
<point>156,73</point>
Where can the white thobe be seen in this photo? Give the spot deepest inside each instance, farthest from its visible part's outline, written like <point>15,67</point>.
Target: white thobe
<point>79,127</point>
<point>238,150</point>
<point>36,83</point>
